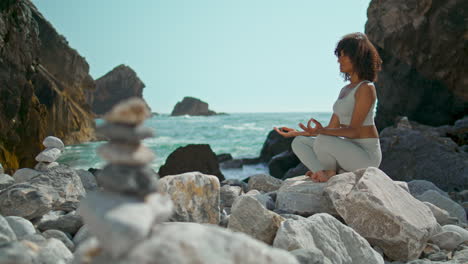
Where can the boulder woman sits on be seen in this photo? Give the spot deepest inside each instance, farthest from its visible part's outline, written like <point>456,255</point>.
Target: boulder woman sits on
<point>350,141</point>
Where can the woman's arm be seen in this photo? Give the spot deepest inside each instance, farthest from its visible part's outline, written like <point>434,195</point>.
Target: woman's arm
<point>364,99</point>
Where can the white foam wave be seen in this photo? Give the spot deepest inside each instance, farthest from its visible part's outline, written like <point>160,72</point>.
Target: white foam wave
<point>245,126</point>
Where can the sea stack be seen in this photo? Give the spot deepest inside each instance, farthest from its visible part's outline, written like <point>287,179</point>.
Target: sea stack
<point>192,106</point>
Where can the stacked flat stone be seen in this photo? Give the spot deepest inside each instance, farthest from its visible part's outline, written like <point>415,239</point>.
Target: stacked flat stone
<point>128,206</point>
<point>47,158</point>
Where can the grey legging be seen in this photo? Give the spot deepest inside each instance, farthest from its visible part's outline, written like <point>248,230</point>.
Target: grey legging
<point>332,153</point>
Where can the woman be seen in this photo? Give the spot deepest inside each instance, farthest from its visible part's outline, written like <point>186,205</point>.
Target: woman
<point>350,141</point>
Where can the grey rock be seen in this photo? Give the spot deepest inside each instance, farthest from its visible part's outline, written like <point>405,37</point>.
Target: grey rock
<point>131,180</point>
<point>53,233</point>
<point>438,256</point>
<point>124,133</point>
<point>454,228</point>
<point>250,217</point>
<point>25,174</point>
<point>310,256</point>
<point>49,155</point>
<point>88,180</point>
<point>6,181</point>
<point>45,166</point>
<point>236,182</point>
<point>18,253</point>
<point>445,203</point>
<point>228,194</point>
<point>20,226</point>
<point>69,223</point>
<point>336,242</point>
<point>196,243</point>
<point>418,187</point>
<point>60,188</point>
<point>447,240</point>
<point>2,171</point>
<point>54,251</point>
<point>126,154</point>
<point>382,212</point>
<point>264,183</point>
<point>25,200</point>
<point>6,231</point>
<point>442,216</point>
<point>36,238</point>
<point>195,196</point>
<point>82,234</point>
<point>293,217</point>
<point>53,142</point>
<point>461,256</point>
<point>302,196</point>
<point>121,219</point>
<point>265,200</point>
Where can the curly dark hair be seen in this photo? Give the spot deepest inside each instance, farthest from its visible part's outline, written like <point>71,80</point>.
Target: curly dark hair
<point>364,56</point>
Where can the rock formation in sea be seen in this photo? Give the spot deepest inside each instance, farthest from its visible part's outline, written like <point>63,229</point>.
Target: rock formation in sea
<point>42,86</point>
<point>192,106</point>
<point>423,48</point>
<point>117,85</point>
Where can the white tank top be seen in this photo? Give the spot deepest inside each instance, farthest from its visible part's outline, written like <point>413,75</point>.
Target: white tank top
<point>344,107</point>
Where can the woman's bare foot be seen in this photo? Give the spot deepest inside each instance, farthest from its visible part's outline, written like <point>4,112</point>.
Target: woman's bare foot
<point>323,176</point>
<point>309,174</point>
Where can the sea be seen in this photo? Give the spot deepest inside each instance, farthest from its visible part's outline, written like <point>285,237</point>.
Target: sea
<point>240,134</point>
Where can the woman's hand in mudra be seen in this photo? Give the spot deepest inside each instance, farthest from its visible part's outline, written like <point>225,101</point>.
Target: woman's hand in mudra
<point>309,129</point>
<point>287,132</point>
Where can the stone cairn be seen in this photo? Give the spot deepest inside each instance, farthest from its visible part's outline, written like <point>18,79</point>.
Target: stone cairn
<point>123,213</point>
<point>47,158</point>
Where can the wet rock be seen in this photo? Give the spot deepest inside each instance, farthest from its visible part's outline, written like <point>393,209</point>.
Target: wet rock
<point>192,106</point>
<point>182,160</point>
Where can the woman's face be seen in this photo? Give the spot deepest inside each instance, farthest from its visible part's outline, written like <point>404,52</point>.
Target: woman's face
<point>345,63</point>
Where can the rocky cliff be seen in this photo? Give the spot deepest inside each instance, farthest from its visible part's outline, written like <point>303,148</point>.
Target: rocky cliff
<point>423,47</point>
<point>117,85</point>
<point>42,84</point>
<point>192,106</point>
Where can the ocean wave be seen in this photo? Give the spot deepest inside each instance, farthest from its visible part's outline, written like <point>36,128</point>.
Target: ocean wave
<point>245,126</point>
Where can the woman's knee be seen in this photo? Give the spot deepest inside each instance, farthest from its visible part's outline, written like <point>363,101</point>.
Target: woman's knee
<point>300,142</point>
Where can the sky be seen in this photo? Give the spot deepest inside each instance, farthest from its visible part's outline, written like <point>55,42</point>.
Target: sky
<point>238,56</point>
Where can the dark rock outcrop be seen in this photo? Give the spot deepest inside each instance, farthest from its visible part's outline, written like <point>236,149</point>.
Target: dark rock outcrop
<point>274,145</point>
<point>192,106</point>
<point>423,48</point>
<point>117,85</point>
<point>424,153</point>
<point>42,86</point>
<point>193,157</point>
<point>281,163</point>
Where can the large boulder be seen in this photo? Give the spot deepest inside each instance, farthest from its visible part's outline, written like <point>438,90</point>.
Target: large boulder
<point>281,163</point>
<point>59,188</point>
<point>424,59</point>
<point>274,145</point>
<point>195,243</point>
<point>331,240</point>
<point>115,86</point>
<point>195,197</point>
<point>249,216</point>
<point>300,195</point>
<point>43,85</point>
<point>193,157</point>
<point>192,106</point>
<point>410,154</point>
<point>382,212</point>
